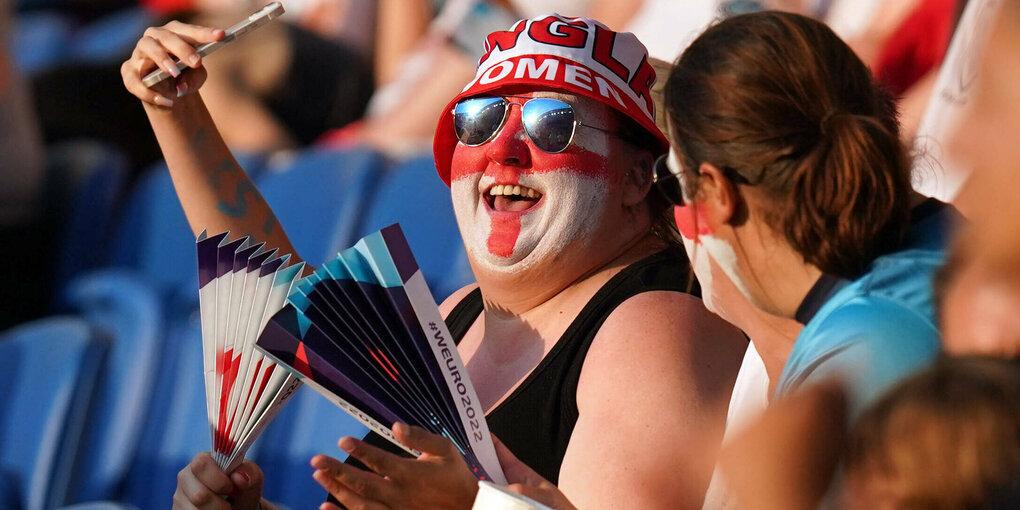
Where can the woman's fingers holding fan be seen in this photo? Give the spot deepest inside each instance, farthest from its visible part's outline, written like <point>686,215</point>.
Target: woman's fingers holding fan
<point>420,439</point>
<point>355,488</point>
<point>202,485</point>
<point>438,479</point>
<point>247,479</point>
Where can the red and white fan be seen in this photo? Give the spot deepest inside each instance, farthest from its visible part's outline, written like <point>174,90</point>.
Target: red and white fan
<point>241,285</point>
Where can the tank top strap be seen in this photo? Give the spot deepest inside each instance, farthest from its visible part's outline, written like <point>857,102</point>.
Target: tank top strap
<point>464,314</point>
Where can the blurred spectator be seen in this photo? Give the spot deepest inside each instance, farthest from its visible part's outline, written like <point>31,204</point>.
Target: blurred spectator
<point>402,114</point>
<point>786,459</point>
<point>939,171</point>
<point>985,140</point>
<point>25,232</point>
<point>82,11</point>
<point>916,46</point>
<point>283,86</point>
<point>977,306</point>
<point>21,152</point>
<point>947,438</point>
<point>981,283</point>
<point>278,88</point>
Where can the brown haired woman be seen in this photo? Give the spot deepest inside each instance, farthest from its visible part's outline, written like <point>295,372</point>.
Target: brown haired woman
<point>794,182</point>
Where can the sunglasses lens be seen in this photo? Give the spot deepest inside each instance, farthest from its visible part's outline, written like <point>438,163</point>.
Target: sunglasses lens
<point>667,182</point>
<point>476,119</point>
<point>549,123</point>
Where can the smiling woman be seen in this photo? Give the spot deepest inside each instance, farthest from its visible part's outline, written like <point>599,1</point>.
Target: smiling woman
<point>567,185</point>
<point>578,332</point>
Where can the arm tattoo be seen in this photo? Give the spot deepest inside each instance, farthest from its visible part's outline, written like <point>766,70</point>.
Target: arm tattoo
<point>200,137</point>
<point>240,207</point>
<point>225,166</point>
<point>267,227</point>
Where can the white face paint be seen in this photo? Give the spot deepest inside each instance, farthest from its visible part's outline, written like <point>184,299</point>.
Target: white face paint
<point>700,244</point>
<point>703,271</point>
<point>570,208</point>
<point>513,232</point>
<point>726,258</point>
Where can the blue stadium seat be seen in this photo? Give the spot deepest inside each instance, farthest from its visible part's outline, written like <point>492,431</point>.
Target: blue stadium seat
<point>100,505</point>
<point>412,194</point>
<point>307,426</point>
<point>89,177</point>
<point>153,235</point>
<point>318,198</point>
<point>8,491</point>
<point>176,427</point>
<point>111,37</point>
<point>128,311</point>
<point>40,40</point>
<point>50,369</point>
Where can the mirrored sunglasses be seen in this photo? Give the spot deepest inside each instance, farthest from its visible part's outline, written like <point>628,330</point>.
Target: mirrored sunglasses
<point>549,123</point>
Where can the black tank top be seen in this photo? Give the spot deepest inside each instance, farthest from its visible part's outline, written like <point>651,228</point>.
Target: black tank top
<point>536,420</point>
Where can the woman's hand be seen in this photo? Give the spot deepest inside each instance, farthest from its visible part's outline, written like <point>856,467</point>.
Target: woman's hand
<point>438,479</point>
<point>156,48</point>
<point>203,485</point>
<point>525,481</point>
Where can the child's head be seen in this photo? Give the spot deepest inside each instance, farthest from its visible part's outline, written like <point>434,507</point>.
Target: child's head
<point>947,438</point>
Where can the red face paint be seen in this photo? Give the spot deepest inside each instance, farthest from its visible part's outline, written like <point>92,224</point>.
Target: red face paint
<point>505,231</point>
<point>489,164</point>
<point>690,221</point>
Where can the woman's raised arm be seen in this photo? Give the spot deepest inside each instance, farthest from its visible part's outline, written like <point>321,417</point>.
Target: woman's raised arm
<point>215,192</point>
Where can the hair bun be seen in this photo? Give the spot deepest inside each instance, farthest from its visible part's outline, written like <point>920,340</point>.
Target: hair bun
<point>825,126</point>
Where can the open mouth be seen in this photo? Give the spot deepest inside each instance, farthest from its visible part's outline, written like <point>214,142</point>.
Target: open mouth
<point>511,198</point>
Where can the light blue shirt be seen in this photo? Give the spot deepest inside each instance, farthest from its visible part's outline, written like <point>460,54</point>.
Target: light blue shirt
<point>874,331</point>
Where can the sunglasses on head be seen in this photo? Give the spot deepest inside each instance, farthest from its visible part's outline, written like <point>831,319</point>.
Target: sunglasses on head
<point>549,123</point>
<point>668,180</point>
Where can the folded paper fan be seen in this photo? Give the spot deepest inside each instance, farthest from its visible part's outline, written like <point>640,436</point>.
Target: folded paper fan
<point>364,331</point>
<point>241,285</point>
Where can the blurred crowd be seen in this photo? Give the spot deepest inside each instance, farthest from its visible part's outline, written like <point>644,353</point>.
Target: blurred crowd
<point>377,74</point>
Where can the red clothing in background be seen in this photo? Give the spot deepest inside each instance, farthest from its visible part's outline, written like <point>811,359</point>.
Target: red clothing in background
<point>165,7</point>
<point>917,46</point>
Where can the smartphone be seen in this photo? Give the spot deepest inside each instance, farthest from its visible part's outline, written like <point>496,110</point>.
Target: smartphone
<point>259,18</point>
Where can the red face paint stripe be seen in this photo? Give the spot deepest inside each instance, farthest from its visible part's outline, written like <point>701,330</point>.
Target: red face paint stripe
<point>503,236</point>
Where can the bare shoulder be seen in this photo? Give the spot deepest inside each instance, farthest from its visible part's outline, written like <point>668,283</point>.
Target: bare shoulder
<point>667,333</point>
<point>451,301</point>
<point>653,389</point>
<point>666,321</point>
